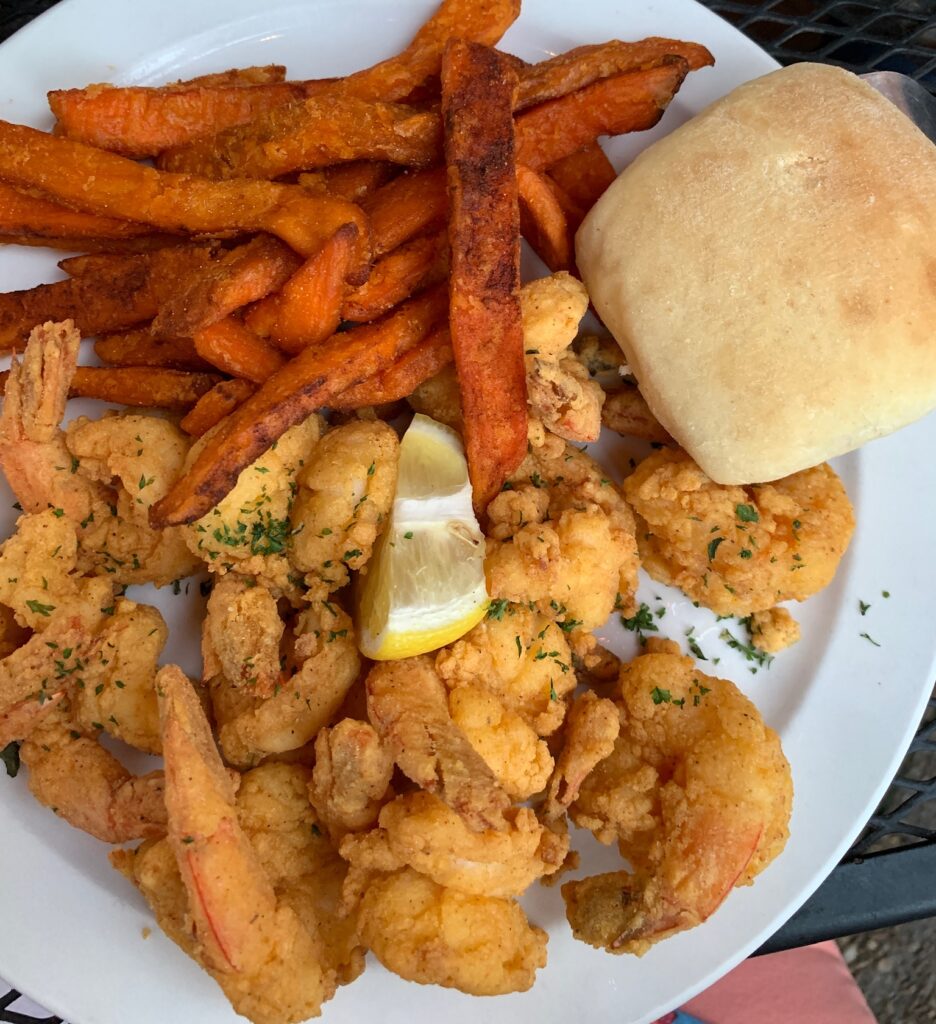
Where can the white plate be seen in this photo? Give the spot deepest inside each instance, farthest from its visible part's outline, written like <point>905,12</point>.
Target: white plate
<point>845,709</point>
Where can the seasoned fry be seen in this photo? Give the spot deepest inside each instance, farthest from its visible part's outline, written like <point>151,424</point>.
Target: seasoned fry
<point>231,347</point>
<point>403,377</point>
<point>100,182</point>
<point>244,275</point>
<point>626,412</point>
<point>307,309</point>
<point>405,208</point>
<point>315,132</point>
<point>574,69</point>
<point>64,243</point>
<point>139,348</point>
<point>215,404</point>
<point>308,382</point>
<point>120,292</point>
<point>410,267</point>
<point>353,181</point>
<point>630,102</point>
<point>484,235</point>
<point>581,179</point>
<point>147,386</point>
<point>262,74</point>
<point>542,220</point>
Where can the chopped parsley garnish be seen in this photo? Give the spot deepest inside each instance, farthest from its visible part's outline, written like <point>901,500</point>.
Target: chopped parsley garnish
<point>39,608</point>
<point>348,555</point>
<point>885,593</point>
<point>745,552</point>
<point>408,535</point>
<point>269,537</point>
<point>336,634</point>
<point>642,622</point>
<point>750,652</point>
<point>863,606</point>
<point>497,608</point>
<point>11,758</point>
<point>713,547</point>
<point>519,647</point>
<point>660,696</point>
<point>870,639</point>
<point>537,480</point>
<point>145,481</point>
<point>371,468</point>
<point>694,646</point>
<point>567,625</point>
<point>552,691</point>
<point>747,513</point>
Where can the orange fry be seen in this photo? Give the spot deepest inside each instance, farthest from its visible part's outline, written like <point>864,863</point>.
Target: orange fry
<point>630,102</point>
<point>410,267</point>
<point>215,404</point>
<point>262,74</point>
<point>243,275</point>
<point>577,68</point>
<point>406,207</point>
<point>542,220</point>
<point>122,246</point>
<point>90,179</point>
<point>353,181</point>
<point>139,348</point>
<point>402,378</point>
<point>147,386</point>
<point>307,310</point>
<point>581,179</point>
<point>116,293</point>
<point>308,382</point>
<point>231,347</point>
<point>484,235</point>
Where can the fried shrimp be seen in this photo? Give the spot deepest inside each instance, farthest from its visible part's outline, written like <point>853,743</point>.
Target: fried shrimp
<point>563,540</point>
<point>345,492</point>
<point>696,792</point>
<point>436,936</point>
<point>735,549</point>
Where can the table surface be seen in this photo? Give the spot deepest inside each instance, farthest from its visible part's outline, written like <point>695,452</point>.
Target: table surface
<point>889,874</point>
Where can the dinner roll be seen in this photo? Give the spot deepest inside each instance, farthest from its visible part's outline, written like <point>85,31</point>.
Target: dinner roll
<point>769,269</point>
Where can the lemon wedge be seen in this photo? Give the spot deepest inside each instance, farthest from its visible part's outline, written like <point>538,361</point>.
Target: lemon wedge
<point>425,583</point>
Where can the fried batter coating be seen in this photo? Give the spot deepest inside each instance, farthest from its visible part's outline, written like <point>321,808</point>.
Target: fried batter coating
<point>773,630</point>
<point>738,550</point>
<point>249,530</point>
<point>436,936</point>
<point>439,398</point>
<point>512,749</point>
<point>417,829</point>
<point>351,777</point>
<point>626,412</point>
<point>408,705</point>
<point>698,795</point>
<point>521,658</point>
<point>345,493</point>
<point>572,551</point>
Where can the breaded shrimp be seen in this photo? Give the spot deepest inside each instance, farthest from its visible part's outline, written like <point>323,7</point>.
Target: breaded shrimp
<point>736,549</point>
<point>697,794</point>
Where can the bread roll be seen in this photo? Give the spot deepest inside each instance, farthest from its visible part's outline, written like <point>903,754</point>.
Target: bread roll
<point>769,270</point>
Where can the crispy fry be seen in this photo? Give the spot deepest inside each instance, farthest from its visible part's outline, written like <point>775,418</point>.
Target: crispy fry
<point>543,221</point>
<point>403,377</point>
<point>231,347</point>
<point>139,348</point>
<point>261,74</point>
<point>630,102</point>
<point>484,235</point>
<point>25,215</point>
<point>308,382</point>
<point>314,132</point>
<point>626,412</point>
<point>581,179</point>
<point>121,292</point>
<point>307,310</point>
<point>141,122</point>
<point>574,69</point>
<point>100,182</point>
<point>353,181</point>
<point>243,275</point>
<point>416,264</point>
<point>148,386</point>
<point>215,404</point>
<point>121,246</point>
<point>405,208</point>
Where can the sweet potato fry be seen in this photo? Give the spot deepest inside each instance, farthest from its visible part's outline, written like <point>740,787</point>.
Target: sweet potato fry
<point>122,292</point>
<point>231,347</point>
<point>21,214</point>
<point>308,382</point>
<point>314,132</point>
<point>630,102</point>
<point>261,74</point>
<point>626,412</point>
<point>123,246</point>
<point>484,235</point>
<point>402,378</point>
<point>215,404</point>
<point>416,264</point>
<point>353,181</point>
<point>90,179</point>
<point>582,178</point>
<point>307,310</point>
<point>574,69</point>
<point>243,275</point>
<point>146,386</point>
<point>406,207</point>
<point>139,348</point>
<point>542,220</point>
<point>138,122</point>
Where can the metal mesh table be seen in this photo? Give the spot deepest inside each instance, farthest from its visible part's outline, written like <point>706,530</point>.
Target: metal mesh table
<point>889,874</point>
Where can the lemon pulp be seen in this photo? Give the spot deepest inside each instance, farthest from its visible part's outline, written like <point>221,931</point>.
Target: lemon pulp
<point>425,583</point>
